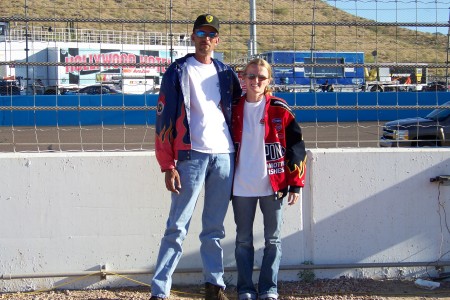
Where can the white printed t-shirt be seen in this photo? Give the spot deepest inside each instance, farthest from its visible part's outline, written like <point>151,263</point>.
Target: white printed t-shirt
<point>251,179</point>
<point>209,131</point>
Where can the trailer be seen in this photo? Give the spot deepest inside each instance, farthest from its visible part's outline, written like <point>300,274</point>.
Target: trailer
<point>315,70</point>
<point>56,67</point>
<point>125,70</point>
<point>400,77</point>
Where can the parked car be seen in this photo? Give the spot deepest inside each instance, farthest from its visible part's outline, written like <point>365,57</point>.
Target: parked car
<point>435,87</point>
<point>10,87</point>
<point>8,90</point>
<point>99,89</point>
<point>432,130</point>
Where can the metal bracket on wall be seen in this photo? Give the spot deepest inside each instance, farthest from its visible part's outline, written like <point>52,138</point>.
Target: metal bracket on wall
<point>441,179</point>
<point>103,272</point>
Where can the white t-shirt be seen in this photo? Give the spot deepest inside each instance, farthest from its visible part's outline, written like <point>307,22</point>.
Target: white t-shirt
<point>209,131</point>
<point>251,179</point>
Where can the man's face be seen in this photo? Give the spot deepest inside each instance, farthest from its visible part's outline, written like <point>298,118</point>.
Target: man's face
<point>205,39</point>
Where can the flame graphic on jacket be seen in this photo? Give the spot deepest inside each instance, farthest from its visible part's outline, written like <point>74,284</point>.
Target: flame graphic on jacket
<point>171,138</point>
<point>301,169</point>
<point>165,136</point>
<point>181,142</point>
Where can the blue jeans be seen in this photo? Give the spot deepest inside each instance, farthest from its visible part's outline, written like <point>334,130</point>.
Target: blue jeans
<point>215,172</point>
<point>244,215</point>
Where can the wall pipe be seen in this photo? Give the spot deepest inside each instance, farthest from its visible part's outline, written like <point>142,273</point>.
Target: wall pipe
<point>103,272</point>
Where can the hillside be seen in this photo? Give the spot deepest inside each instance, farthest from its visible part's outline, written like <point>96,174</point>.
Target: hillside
<point>393,44</point>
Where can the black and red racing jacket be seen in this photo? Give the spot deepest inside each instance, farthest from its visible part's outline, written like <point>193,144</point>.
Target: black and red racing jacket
<point>284,145</point>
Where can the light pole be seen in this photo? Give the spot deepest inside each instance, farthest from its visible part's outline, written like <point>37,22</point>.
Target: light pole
<point>252,42</point>
<point>171,32</point>
<point>448,49</point>
<point>312,81</point>
<point>26,48</point>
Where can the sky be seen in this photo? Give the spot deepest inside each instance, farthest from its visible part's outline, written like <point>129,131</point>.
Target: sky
<point>429,11</point>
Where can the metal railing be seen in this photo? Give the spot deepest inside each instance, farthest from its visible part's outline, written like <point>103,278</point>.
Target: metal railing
<point>50,34</point>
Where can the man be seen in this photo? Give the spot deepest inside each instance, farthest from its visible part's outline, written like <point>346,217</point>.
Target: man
<point>194,148</point>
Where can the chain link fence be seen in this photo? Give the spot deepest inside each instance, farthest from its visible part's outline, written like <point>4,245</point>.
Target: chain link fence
<point>366,51</point>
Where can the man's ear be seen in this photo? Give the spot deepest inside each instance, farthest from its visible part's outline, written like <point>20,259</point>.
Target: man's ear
<point>192,37</point>
<point>217,40</point>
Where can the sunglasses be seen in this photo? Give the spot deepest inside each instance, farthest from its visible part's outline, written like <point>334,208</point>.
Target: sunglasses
<point>202,34</point>
<point>253,76</point>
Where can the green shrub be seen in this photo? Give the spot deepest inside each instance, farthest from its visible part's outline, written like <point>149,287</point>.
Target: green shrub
<point>307,275</point>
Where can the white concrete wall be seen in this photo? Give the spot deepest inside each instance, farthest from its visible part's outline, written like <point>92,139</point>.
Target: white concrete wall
<point>377,205</point>
<point>70,212</point>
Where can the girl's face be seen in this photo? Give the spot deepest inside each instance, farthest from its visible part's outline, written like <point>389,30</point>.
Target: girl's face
<point>256,79</point>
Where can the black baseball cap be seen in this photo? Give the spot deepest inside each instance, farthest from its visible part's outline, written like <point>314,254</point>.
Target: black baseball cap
<point>207,20</point>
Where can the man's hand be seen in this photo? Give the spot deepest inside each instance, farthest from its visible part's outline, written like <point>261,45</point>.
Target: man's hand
<point>172,179</point>
<point>293,198</point>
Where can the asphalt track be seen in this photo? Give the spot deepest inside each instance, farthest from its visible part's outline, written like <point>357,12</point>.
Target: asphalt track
<point>141,137</point>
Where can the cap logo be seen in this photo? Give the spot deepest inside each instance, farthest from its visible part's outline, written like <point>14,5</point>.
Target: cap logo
<point>209,18</point>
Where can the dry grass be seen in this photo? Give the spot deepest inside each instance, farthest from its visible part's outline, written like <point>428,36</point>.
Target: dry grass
<point>393,44</point>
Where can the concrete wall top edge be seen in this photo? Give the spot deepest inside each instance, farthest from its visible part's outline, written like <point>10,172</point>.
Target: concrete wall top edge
<point>380,150</point>
<point>76,154</point>
<point>152,153</point>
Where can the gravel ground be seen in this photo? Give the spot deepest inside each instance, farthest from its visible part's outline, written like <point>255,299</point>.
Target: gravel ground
<point>318,290</point>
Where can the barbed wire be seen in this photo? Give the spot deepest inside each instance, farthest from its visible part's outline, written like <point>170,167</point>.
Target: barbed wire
<point>225,22</point>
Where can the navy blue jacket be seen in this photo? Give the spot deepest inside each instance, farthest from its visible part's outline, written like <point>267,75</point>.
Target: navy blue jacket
<point>173,136</point>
